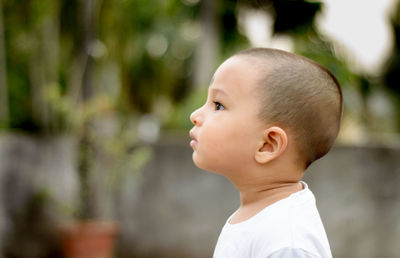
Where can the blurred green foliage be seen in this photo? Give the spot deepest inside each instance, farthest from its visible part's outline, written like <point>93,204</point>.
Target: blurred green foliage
<point>139,55</point>
<point>60,54</point>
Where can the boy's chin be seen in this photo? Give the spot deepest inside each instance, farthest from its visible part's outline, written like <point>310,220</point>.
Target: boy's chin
<point>196,160</point>
<point>203,165</point>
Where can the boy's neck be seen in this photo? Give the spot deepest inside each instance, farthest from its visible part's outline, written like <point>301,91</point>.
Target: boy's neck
<point>269,192</point>
<point>253,201</point>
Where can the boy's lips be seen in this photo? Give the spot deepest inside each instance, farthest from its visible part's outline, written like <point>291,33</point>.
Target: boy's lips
<point>193,142</point>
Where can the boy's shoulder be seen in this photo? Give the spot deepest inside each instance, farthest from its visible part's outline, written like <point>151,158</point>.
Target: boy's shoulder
<point>289,224</point>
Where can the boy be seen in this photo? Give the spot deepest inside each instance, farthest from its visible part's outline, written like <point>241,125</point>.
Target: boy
<point>269,114</point>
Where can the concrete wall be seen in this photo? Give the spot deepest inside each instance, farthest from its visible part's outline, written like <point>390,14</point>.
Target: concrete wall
<point>181,209</point>
<point>174,209</point>
<point>358,195</point>
<point>35,173</point>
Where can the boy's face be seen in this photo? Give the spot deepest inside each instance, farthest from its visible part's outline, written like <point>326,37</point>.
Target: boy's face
<point>227,131</point>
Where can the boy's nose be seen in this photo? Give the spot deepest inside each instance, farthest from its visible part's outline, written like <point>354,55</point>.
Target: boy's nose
<point>195,117</point>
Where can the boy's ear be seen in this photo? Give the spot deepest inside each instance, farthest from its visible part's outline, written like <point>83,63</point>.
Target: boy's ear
<point>274,143</point>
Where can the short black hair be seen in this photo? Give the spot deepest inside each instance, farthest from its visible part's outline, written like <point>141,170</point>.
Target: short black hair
<point>301,96</point>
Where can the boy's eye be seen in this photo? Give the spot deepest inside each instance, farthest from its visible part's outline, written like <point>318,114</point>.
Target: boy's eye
<point>218,106</point>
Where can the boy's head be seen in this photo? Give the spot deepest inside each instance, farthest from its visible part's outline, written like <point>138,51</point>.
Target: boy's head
<point>300,96</point>
<point>262,100</point>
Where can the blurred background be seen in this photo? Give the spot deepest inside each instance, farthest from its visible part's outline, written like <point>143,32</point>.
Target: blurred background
<point>95,98</point>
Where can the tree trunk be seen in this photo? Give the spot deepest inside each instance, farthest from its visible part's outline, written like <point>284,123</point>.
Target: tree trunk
<point>44,65</point>
<point>207,52</point>
<point>3,74</point>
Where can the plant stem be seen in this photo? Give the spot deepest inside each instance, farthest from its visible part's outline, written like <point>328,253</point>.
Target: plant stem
<point>86,209</point>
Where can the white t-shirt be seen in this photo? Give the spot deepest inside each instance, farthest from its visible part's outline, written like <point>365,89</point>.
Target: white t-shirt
<point>288,228</point>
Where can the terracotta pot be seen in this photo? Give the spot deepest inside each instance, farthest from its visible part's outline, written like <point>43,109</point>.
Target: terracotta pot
<point>89,239</point>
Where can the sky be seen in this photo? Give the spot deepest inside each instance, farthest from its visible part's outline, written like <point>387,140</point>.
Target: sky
<point>360,30</point>
<point>362,27</point>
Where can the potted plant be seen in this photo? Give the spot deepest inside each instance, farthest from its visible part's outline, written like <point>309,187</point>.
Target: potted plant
<point>61,100</point>
<point>70,67</point>
<point>108,150</point>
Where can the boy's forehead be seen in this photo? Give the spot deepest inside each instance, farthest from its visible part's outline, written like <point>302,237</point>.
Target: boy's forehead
<point>236,74</point>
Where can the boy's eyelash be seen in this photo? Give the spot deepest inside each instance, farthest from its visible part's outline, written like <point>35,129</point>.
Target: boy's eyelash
<point>218,106</point>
